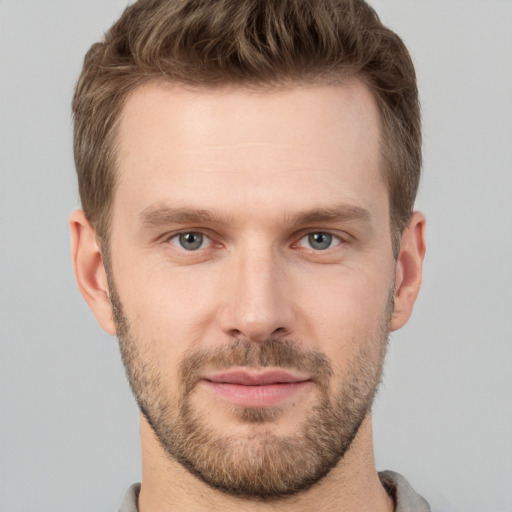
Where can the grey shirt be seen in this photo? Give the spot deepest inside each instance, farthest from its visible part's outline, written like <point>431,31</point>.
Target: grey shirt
<point>406,499</point>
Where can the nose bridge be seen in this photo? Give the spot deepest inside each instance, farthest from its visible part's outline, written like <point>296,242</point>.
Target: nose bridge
<point>256,306</point>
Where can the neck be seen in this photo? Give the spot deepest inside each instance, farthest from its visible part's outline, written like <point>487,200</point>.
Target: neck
<point>353,485</point>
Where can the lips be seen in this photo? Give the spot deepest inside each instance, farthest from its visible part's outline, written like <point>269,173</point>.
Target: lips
<point>256,389</point>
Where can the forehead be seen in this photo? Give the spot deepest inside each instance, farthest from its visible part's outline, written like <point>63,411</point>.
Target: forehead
<point>244,113</point>
<point>178,143</point>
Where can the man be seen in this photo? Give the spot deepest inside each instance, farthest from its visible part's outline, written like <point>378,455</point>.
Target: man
<point>247,172</point>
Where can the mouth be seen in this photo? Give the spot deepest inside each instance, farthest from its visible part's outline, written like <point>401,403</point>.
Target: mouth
<point>248,388</point>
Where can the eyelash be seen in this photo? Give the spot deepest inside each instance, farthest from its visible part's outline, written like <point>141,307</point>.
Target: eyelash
<point>332,238</point>
<point>176,240</point>
<point>179,245</point>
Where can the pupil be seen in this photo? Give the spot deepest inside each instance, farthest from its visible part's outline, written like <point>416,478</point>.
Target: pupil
<point>320,240</point>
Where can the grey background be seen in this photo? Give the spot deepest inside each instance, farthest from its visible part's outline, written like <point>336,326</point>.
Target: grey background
<point>68,424</point>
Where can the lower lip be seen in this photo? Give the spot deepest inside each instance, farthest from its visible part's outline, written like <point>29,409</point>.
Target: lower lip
<point>257,396</point>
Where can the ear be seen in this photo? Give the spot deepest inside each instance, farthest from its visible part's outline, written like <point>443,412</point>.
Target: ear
<point>89,270</point>
<point>409,270</point>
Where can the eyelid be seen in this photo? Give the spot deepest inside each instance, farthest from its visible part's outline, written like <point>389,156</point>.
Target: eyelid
<point>174,240</point>
<point>208,238</point>
<point>340,238</point>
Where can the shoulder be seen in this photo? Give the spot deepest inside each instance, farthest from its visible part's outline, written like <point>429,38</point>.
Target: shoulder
<point>130,499</point>
<point>405,497</point>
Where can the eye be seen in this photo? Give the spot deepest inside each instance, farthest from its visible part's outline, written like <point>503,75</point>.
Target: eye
<point>190,241</point>
<point>319,241</point>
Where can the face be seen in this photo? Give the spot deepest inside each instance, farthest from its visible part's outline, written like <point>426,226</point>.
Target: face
<point>251,274</point>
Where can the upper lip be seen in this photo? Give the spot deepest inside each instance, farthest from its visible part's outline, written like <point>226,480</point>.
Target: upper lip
<point>256,378</point>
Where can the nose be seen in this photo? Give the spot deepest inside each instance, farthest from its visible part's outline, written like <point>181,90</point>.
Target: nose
<point>256,301</point>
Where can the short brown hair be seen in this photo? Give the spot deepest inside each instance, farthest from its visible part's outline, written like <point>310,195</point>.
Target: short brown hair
<point>247,43</point>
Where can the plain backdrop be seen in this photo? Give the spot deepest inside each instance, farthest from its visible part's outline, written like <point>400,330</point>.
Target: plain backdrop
<point>443,418</point>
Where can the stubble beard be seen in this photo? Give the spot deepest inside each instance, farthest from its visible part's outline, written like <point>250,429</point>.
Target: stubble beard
<point>262,465</point>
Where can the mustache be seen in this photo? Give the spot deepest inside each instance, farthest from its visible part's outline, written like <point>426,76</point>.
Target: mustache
<point>270,353</point>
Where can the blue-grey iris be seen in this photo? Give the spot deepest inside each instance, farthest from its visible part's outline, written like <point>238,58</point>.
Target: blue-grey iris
<point>191,241</point>
<point>320,241</point>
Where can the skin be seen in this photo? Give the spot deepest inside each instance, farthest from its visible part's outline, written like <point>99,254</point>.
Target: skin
<point>263,164</point>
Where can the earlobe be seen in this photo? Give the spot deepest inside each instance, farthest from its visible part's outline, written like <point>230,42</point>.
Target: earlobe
<point>89,270</point>
<point>408,270</point>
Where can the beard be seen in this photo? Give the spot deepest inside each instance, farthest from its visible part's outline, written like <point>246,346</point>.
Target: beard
<point>261,464</point>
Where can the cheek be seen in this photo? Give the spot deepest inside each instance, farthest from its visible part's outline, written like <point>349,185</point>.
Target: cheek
<point>167,308</point>
<point>344,310</point>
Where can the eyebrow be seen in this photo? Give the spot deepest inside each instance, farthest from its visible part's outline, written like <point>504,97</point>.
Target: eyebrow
<point>158,215</point>
<point>162,215</point>
<point>342,213</point>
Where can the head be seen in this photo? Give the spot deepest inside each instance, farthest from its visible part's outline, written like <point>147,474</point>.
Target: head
<point>247,173</point>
